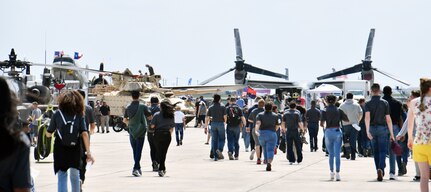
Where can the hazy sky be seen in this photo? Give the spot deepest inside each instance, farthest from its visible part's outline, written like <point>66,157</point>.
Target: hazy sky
<point>194,38</point>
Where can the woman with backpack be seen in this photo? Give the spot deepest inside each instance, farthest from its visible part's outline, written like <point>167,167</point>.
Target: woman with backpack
<point>163,124</point>
<point>68,123</point>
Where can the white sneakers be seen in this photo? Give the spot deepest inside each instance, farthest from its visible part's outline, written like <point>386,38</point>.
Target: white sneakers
<point>392,176</point>
<point>252,154</point>
<point>335,176</point>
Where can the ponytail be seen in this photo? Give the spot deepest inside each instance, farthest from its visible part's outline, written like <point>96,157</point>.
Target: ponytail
<point>422,106</point>
<point>425,85</point>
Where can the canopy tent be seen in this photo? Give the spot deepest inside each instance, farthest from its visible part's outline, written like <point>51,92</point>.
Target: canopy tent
<point>326,88</point>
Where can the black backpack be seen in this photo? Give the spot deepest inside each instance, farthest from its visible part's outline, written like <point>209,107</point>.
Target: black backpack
<point>68,135</point>
<point>233,116</point>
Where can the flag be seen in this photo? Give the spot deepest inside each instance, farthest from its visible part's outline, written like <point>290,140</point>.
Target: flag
<point>57,54</point>
<point>77,56</point>
<point>251,92</point>
<point>190,81</point>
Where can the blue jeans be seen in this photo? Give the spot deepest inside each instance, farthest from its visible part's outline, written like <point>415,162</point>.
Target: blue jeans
<point>333,137</point>
<point>363,141</point>
<point>74,180</point>
<point>267,140</point>
<point>218,137</point>
<point>313,130</point>
<point>380,145</point>
<point>179,132</point>
<point>392,156</point>
<point>246,137</point>
<point>350,136</point>
<point>137,145</point>
<point>232,133</point>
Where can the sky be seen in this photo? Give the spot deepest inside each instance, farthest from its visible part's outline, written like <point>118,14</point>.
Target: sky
<point>194,38</point>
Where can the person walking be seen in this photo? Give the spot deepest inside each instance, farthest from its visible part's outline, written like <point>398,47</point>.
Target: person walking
<point>266,127</point>
<point>246,130</point>
<point>136,118</point>
<point>217,114</point>
<point>201,113</point>
<point>364,143</point>
<point>163,123</point>
<point>180,121</point>
<point>396,111</point>
<point>89,123</point>
<point>402,135</point>
<point>277,127</point>
<point>234,118</point>
<point>105,110</point>
<point>67,147</point>
<point>350,127</point>
<point>333,116</point>
<point>98,115</point>
<point>154,108</point>
<point>420,143</point>
<point>14,145</point>
<point>35,115</point>
<point>378,123</point>
<point>313,116</point>
<point>252,120</point>
<point>291,125</point>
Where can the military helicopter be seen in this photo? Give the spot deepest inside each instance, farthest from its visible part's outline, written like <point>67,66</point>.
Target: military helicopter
<point>365,67</point>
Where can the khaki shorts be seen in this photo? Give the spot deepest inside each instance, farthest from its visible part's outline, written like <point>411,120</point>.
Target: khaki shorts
<point>422,153</point>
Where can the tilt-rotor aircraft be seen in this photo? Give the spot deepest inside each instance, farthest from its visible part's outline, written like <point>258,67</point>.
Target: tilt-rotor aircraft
<point>365,67</point>
<point>241,69</point>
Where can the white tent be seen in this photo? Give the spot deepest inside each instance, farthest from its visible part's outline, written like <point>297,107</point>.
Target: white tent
<point>326,88</point>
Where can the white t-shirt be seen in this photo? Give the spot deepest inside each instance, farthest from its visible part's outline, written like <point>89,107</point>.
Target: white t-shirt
<point>179,116</point>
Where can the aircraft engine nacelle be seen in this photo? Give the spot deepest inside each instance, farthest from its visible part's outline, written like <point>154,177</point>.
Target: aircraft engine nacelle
<point>38,93</point>
<point>240,76</point>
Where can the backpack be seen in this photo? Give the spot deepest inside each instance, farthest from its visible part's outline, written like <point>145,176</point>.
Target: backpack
<point>68,135</point>
<point>233,116</point>
<point>137,124</point>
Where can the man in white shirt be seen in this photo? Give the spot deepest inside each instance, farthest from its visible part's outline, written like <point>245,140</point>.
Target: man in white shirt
<point>180,121</point>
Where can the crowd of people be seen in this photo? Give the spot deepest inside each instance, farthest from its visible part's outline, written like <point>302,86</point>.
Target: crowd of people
<point>381,127</point>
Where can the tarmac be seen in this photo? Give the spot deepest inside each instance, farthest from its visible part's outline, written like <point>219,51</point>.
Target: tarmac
<point>189,168</point>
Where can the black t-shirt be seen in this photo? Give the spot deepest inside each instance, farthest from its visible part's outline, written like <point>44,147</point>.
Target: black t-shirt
<point>15,169</point>
<point>89,116</point>
<point>333,116</point>
<point>268,121</point>
<point>292,118</point>
<point>313,115</point>
<point>104,109</point>
<point>217,112</point>
<point>395,108</point>
<point>161,123</point>
<point>378,109</point>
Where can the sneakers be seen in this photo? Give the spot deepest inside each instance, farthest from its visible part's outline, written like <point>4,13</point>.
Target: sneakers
<point>258,161</point>
<point>392,176</point>
<point>290,163</point>
<point>236,158</point>
<point>136,173</point>
<point>162,173</point>
<point>379,175</point>
<point>252,154</point>
<point>332,176</point>
<point>417,178</point>
<point>337,177</point>
<point>246,150</point>
<point>268,167</point>
<point>181,142</point>
<point>219,154</point>
<point>230,155</point>
<point>155,166</point>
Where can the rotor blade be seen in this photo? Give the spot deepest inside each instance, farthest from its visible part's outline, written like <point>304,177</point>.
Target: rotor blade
<point>238,46</point>
<point>369,45</point>
<point>350,70</point>
<point>257,70</point>
<point>216,76</point>
<point>392,77</point>
<point>75,68</point>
